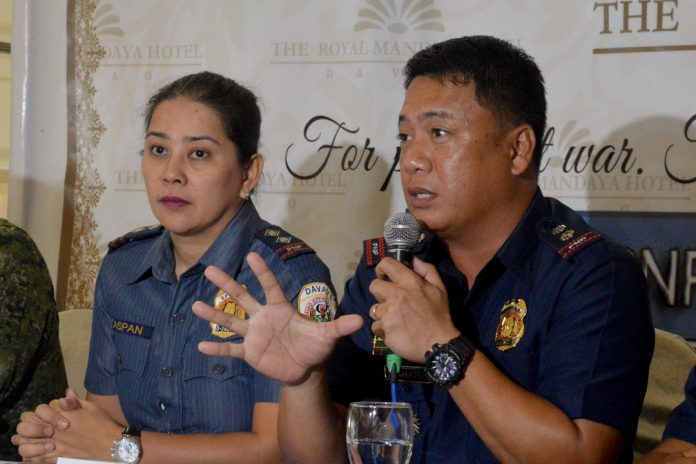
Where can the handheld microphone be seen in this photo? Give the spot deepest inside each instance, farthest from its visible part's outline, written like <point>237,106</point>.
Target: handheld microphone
<point>401,233</point>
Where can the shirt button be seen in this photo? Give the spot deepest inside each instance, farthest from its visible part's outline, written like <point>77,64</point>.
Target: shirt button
<point>219,369</point>
<point>178,318</point>
<point>162,406</point>
<point>167,371</point>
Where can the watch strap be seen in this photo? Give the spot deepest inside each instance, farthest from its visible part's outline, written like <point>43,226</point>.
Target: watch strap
<point>131,431</point>
<point>461,348</point>
<point>464,348</point>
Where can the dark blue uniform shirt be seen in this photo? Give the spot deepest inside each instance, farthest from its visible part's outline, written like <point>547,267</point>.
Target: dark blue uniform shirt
<point>682,421</point>
<point>587,340</point>
<point>144,345</point>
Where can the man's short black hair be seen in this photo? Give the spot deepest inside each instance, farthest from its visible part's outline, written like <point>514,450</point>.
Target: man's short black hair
<point>507,80</point>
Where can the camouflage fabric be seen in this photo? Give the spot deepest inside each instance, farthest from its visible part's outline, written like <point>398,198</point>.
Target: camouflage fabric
<point>31,363</point>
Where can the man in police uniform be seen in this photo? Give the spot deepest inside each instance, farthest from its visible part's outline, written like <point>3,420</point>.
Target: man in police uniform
<point>533,330</point>
<point>31,363</point>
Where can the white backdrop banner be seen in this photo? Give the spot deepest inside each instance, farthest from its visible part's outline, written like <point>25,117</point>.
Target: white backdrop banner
<point>621,141</point>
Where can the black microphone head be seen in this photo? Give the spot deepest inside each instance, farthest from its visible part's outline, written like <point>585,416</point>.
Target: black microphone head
<point>402,230</point>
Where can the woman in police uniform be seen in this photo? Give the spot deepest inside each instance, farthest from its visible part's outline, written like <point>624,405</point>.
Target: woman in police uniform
<point>200,165</point>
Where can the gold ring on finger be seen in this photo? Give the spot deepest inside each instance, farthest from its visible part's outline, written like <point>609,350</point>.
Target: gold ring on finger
<point>373,312</point>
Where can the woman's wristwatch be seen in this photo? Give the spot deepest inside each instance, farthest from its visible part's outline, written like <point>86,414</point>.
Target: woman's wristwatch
<point>128,448</point>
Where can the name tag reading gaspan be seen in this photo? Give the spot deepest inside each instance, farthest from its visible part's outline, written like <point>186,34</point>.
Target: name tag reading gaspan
<point>132,328</point>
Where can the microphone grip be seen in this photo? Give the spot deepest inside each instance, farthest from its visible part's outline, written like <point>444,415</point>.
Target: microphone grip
<point>402,255</point>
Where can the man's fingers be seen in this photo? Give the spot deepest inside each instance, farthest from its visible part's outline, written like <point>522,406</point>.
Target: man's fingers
<point>392,270</point>
<point>384,267</point>
<point>232,288</point>
<point>235,350</point>
<point>51,416</point>
<point>428,272</point>
<point>271,288</point>
<point>229,321</point>
<point>377,329</point>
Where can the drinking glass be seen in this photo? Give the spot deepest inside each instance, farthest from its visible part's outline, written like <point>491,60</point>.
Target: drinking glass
<point>379,433</point>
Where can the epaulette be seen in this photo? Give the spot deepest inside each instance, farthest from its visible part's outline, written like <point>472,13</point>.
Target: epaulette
<point>375,249</point>
<point>283,244</point>
<point>140,233</point>
<point>565,240</point>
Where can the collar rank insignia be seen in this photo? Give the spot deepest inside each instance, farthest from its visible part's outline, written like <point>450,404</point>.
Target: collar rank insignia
<point>511,326</point>
<point>283,244</point>
<point>317,301</point>
<point>223,302</point>
<point>569,241</point>
<point>140,233</point>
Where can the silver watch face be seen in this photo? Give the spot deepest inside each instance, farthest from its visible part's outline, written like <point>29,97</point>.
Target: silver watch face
<point>127,450</point>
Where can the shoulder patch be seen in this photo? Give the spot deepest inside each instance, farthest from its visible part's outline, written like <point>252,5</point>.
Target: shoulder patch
<point>317,301</point>
<point>134,235</point>
<point>375,249</point>
<point>568,240</point>
<point>283,244</point>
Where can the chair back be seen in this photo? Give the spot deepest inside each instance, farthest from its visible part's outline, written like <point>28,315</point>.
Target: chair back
<point>74,333</point>
<point>671,363</point>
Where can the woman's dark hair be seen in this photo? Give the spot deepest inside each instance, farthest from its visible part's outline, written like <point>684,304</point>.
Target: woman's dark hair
<point>235,104</point>
<point>507,80</point>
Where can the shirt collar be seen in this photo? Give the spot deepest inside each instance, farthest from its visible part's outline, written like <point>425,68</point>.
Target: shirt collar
<point>157,260</point>
<point>230,249</point>
<point>516,252</point>
<point>227,251</point>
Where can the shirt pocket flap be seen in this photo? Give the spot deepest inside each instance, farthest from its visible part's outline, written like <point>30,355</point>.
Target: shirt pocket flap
<point>219,368</point>
<point>132,353</point>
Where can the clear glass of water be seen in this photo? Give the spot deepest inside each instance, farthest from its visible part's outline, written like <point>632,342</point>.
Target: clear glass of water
<point>379,433</point>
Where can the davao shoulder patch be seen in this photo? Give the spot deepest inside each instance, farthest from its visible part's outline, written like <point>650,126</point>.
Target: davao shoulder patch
<point>317,301</point>
<point>134,235</point>
<point>283,244</point>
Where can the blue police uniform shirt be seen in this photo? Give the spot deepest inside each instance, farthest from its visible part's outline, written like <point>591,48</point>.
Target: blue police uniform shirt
<point>144,345</point>
<point>587,340</point>
<point>682,421</point>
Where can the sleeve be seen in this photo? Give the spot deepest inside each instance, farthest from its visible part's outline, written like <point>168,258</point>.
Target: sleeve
<point>310,289</point>
<point>29,318</point>
<point>306,282</point>
<point>595,358</point>
<point>682,421</point>
<point>101,375</point>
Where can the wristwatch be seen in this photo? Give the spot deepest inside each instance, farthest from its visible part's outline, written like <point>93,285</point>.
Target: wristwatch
<point>128,449</point>
<point>445,364</point>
